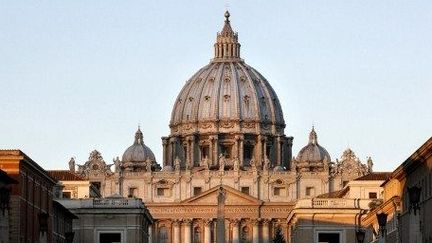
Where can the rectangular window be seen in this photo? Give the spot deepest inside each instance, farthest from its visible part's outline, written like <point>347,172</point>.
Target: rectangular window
<point>277,191</point>
<point>133,192</point>
<point>328,238</point>
<point>197,190</point>
<point>247,152</point>
<point>161,191</point>
<point>110,238</point>
<point>67,195</point>
<point>373,195</point>
<point>245,190</point>
<point>96,184</point>
<point>310,191</point>
<point>226,150</point>
<point>205,152</point>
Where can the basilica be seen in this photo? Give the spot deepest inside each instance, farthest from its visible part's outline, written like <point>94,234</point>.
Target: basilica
<point>228,172</point>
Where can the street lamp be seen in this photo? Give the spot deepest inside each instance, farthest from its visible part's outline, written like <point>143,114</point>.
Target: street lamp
<point>414,198</point>
<point>382,221</point>
<point>360,235</point>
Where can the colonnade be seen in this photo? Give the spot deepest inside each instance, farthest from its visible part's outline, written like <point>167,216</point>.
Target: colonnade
<point>182,231</point>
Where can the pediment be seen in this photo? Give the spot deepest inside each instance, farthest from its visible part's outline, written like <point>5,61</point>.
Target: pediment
<point>232,197</point>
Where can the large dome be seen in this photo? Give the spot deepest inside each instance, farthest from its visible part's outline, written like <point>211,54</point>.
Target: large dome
<point>227,115</point>
<point>227,95</point>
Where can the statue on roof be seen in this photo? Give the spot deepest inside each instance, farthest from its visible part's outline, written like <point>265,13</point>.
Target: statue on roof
<point>72,164</point>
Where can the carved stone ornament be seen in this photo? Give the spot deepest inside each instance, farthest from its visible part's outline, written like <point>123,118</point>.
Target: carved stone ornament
<point>248,124</point>
<point>227,124</point>
<point>206,125</point>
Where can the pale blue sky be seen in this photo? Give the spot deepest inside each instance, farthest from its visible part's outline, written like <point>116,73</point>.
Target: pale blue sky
<point>80,75</point>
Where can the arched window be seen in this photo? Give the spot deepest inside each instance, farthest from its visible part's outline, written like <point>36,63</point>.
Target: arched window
<point>163,235</point>
<point>245,236</point>
<point>197,235</point>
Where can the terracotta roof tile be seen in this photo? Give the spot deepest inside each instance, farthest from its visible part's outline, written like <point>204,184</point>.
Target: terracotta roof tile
<point>64,175</point>
<point>335,194</point>
<point>375,176</point>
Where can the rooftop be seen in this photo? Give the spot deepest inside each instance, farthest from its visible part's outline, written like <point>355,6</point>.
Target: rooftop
<point>375,176</point>
<point>65,175</point>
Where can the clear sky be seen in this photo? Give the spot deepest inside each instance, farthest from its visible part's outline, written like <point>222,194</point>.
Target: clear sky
<point>80,75</point>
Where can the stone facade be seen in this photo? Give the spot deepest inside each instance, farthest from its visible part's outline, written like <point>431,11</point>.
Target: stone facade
<point>227,140</point>
<point>405,223</point>
<point>113,219</point>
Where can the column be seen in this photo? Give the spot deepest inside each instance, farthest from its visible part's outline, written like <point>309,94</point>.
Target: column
<point>207,230</point>
<point>258,151</point>
<point>236,147</point>
<point>150,234</point>
<point>278,151</point>
<point>255,231</point>
<point>192,152</point>
<point>266,231</point>
<point>172,156</point>
<point>241,152</point>
<point>210,155</point>
<point>216,151</point>
<point>176,231</point>
<point>187,224</point>
<point>188,158</point>
<point>165,151</point>
<point>235,231</point>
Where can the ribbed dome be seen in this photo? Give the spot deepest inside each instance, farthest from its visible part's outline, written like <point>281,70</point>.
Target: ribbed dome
<point>227,95</point>
<point>313,152</point>
<point>138,152</point>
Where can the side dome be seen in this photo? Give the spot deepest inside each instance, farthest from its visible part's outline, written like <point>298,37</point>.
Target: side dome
<point>138,152</point>
<point>313,156</point>
<point>227,95</point>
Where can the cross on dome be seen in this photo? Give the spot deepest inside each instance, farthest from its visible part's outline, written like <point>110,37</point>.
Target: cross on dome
<point>313,138</point>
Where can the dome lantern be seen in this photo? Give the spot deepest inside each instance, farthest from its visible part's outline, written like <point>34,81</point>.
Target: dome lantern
<point>227,46</point>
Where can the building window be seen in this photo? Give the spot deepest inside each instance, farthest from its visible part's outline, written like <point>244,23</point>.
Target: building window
<point>310,191</point>
<point>226,150</point>
<point>67,195</point>
<point>344,183</point>
<point>133,192</point>
<point>197,235</point>
<point>278,191</point>
<point>247,153</point>
<point>162,191</point>
<point>329,237</point>
<point>245,235</point>
<point>373,195</point>
<point>97,185</point>
<point>197,190</point>
<point>204,152</point>
<point>245,190</point>
<point>110,237</point>
<point>163,235</point>
<point>268,150</point>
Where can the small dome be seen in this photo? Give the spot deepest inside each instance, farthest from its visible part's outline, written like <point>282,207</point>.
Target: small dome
<point>138,152</point>
<point>313,152</point>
